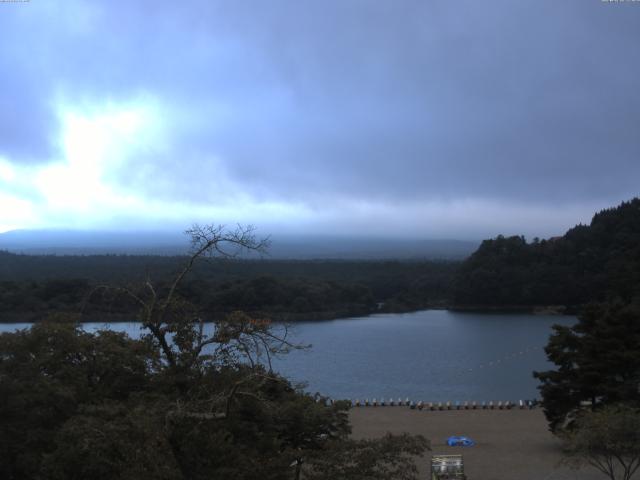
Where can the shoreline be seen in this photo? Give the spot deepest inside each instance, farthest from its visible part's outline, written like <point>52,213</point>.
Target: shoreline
<point>289,317</point>
<point>531,309</point>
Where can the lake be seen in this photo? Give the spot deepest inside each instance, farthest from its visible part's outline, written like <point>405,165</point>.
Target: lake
<point>431,355</point>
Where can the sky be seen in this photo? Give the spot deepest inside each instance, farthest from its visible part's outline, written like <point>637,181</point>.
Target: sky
<point>399,118</point>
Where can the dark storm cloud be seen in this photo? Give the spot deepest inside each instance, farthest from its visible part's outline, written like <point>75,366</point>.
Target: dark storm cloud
<point>529,102</point>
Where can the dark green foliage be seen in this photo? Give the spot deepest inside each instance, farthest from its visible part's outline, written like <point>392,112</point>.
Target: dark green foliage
<point>47,374</point>
<point>290,297</point>
<point>76,405</point>
<point>386,458</point>
<point>589,263</point>
<point>32,286</point>
<point>598,361</point>
<point>109,441</point>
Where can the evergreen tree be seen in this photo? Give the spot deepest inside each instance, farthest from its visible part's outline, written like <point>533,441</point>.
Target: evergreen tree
<point>598,361</point>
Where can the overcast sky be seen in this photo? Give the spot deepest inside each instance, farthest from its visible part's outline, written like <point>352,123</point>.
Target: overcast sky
<point>440,119</point>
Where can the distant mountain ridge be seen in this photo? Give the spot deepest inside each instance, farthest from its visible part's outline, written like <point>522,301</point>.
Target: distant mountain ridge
<point>77,242</point>
<point>589,263</point>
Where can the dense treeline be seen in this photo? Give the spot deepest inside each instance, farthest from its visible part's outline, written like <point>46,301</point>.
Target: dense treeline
<point>589,263</point>
<point>31,286</point>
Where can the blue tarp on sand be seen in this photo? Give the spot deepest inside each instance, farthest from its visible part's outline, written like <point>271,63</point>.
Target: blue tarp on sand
<point>460,442</point>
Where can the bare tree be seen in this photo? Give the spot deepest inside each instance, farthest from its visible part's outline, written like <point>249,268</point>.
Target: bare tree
<point>188,347</point>
<point>212,388</point>
<point>607,439</point>
<point>177,326</point>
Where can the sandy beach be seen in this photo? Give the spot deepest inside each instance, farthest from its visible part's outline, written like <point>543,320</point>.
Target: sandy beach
<point>510,444</point>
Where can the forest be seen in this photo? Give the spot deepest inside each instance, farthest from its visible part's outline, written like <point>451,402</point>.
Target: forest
<point>31,286</point>
<point>595,262</point>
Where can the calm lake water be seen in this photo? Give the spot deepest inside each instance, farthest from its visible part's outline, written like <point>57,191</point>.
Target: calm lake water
<point>432,355</point>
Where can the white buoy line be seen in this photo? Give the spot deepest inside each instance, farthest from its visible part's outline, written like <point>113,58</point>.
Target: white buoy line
<point>494,363</point>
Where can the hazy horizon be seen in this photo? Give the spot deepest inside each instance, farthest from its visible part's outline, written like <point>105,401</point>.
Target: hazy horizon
<point>298,247</point>
<point>403,120</point>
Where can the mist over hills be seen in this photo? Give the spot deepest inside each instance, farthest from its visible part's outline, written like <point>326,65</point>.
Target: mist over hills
<point>304,247</point>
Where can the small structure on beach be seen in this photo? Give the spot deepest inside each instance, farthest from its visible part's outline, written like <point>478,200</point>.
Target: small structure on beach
<point>447,467</point>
